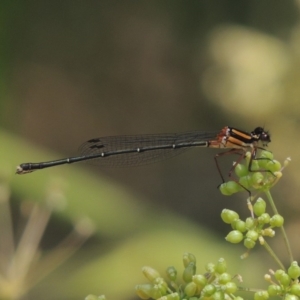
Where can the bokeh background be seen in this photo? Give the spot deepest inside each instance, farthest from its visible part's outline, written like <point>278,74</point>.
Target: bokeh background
<point>75,70</point>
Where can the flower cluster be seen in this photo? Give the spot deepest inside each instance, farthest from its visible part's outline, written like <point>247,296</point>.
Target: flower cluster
<point>284,284</point>
<point>252,229</point>
<point>214,283</point>
<point>259,173</point>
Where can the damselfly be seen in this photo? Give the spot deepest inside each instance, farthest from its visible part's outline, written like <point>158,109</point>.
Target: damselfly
<point>130,150</point>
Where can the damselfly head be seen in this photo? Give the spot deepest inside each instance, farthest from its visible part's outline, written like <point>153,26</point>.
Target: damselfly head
<point>261,135</point>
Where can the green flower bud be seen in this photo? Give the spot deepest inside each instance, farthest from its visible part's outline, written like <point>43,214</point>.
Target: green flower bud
<point>261,295</point>
<point>273,166</point>
<point>189,272</point>
<point>200,280</point>
<point>274,290</point>
<point>171,273</point>
<point>256,179</point>
<point>249,243</point>
<point>285,280</point>
<point>277,221</point>
<point>187,258</point>
<point>294,270</point>
<point>266,154</point>
<point>277,174</point>
<point>230,187</point>
<point>158,291</point>
<point>150,273</point>
<point>190,289</point>
<point>91,297</point>
<point>221,266</point>
<point>173,296</point>
<point>268,278</point>
<point>210,267</point>
<point>252,234</point>
<point>223,189</point>
<point>278,274</point>
<point>261,239</point>
<point>218,295</point>
<point>268,232</point>
<point>295,289</point>
<point>248,156</point>
<point>263,164</point>
<point>245,181</point>
<point>259,207</point>
<point>208,290</point>
<point>144,291</point>
<point>224,278</point>
<point>239,225</point>
<point>264,218</point>
<point>162,286</point>
<point>229,216</point>
<point>234,237</point>
<point>241,170</point>
<point>290,297</point>
<point>250,223</point>
<point>264,160</point>
<point>230,287</point>
<point>255,165</point>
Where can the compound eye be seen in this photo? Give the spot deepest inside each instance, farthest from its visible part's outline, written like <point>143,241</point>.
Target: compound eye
<point>259,130</point>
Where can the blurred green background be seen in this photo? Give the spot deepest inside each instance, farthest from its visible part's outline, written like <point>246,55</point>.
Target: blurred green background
<point>75,70</point>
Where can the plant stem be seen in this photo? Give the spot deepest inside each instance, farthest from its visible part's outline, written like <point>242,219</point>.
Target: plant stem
<point>286,240</point>
<point>272,253</point>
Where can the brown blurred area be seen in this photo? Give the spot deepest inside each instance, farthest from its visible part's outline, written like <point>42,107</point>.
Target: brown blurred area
<point>75,70</point>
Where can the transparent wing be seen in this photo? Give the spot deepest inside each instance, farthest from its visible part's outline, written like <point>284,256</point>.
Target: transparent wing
<point>116,146</point>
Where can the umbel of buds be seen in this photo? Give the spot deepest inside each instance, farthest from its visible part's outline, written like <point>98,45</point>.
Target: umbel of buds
<point>214,282</point>
<point>260,174</point>
<point>251,230</point>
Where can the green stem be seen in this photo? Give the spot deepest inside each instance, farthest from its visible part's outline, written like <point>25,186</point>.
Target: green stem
<point>271,201</point>
<point>245,289</point>
<point>286,240</point>
<point>272,253</point>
